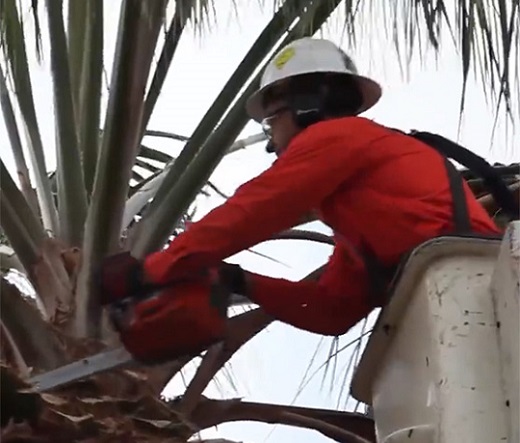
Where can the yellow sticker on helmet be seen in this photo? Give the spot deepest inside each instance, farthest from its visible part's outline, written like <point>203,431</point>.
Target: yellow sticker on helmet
<point>284,56</point>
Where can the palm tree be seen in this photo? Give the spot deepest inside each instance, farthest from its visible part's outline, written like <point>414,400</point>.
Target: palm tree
<point>58,226</point>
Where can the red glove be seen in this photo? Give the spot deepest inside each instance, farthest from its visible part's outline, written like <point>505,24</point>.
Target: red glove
<point>232,277</point>
<point>118,277</point>
<point>122,276</point>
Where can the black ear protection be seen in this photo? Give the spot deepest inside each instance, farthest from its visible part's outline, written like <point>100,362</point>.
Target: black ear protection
<point>307,109</point>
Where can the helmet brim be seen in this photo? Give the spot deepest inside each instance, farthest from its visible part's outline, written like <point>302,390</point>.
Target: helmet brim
<point>371,92</point>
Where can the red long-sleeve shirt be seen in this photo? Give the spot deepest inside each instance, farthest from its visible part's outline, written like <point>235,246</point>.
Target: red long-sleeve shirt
<point>368,183</point>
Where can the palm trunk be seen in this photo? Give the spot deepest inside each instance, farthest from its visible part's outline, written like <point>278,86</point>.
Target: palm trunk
<point>35,339</point>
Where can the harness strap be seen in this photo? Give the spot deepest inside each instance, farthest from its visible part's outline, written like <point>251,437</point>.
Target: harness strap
<point>380,276</point>
<point>459,204</point>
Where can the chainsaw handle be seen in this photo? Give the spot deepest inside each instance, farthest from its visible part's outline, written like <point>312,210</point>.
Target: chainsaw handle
<point>121,277</point>
<point>118,277</point>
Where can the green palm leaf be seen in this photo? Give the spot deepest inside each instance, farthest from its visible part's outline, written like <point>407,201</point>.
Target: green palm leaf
<point>13,43</point>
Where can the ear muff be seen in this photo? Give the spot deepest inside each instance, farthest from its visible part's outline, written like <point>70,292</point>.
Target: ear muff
<point>307,109</point>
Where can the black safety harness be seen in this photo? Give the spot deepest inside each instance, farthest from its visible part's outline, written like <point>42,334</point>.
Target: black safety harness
<point>382,277</point>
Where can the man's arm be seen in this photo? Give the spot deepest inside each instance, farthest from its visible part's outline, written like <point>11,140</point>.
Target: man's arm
<point>329,306</point>
<point>313,167</point>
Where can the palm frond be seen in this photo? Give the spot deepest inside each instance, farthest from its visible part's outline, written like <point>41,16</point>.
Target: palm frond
<point>352,363</point>
<point>162,214</point>
<point>77,41</point>
<point>16,146</point>
<point>89,92</point>
<point>154,154</point>
<point>259,50</point>
<point>13,44</point>
<point>164,134</point>
<point>38,347</point>
<point>18,221</point>
<point>308,378</point>
<point>138,31</point>
<point>17,233</point>
<point>143,193</point>
<point>145,165</point>
<point>72,197</point>
<point>183,13</point>
<point>302,234</point>
<point>243,328</point>
<point>485,33</point>
<point>357,427</point>
<point>37,29</point>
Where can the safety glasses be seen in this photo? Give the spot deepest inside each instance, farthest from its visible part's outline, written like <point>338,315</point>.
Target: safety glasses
<point>267,121</point>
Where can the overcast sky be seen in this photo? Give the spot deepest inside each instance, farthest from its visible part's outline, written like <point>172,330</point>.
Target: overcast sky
<point>272,366</point>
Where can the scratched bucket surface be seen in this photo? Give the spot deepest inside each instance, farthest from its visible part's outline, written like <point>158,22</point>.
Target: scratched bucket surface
<point>432,368</point>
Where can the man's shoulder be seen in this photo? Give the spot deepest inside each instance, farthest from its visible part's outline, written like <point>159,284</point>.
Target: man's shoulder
<point>353,130</point>
<point>349,125</point>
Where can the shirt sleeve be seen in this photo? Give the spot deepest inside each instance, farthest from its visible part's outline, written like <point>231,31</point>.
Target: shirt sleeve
<point>329,306</point>
<point>316,163</point>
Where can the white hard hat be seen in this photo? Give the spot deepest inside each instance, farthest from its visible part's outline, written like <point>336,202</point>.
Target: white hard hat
<point>306,56</point>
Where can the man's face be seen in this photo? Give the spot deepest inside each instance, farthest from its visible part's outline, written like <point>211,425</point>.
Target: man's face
<point>279,124</point>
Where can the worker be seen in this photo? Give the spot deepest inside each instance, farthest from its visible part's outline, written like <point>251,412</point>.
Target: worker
<point>382,192</point>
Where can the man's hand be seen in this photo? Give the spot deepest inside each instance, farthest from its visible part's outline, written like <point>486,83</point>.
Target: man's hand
<point>233,278</point>
<point>119,276</point>
<point>122,276</point>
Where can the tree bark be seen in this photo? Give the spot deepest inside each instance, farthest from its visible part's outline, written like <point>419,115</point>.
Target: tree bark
<point>37,341</point>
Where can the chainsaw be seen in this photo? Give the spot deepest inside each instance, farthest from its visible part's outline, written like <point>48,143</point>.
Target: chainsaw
<point>172,321</point>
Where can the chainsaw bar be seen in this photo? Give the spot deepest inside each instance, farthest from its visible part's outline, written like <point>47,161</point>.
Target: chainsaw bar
<point>97,363</point>
<point>86,367</point>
